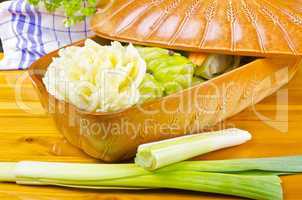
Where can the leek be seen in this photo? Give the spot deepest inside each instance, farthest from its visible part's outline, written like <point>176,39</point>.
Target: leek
<point>100,176</point>
<point>252,178</point>
<point>255,187</point>
<point>7,172</point>
<point>76,172</point>
<point>155,155</point>
<point>285,164</point>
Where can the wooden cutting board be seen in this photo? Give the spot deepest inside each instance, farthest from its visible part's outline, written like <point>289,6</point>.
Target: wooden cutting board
<point>27,133</point>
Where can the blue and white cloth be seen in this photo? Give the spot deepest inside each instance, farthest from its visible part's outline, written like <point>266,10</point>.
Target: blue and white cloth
<point>27,33</point>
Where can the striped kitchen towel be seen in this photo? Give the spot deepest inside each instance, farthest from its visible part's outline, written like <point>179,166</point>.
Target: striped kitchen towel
<point>28,33</point>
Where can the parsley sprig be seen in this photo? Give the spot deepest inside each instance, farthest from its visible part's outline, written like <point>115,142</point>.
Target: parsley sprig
<point>75,10</point>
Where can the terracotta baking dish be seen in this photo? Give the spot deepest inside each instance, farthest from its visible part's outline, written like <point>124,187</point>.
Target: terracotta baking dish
<point>259,29</point>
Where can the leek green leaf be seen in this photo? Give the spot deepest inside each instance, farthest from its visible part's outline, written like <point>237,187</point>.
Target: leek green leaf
<point>285,164</point>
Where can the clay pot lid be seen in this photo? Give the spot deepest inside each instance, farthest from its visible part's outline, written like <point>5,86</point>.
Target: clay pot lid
<point>242,27</point>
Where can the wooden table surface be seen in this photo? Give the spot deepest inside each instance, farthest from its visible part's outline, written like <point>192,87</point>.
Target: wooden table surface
<point>27,133</point>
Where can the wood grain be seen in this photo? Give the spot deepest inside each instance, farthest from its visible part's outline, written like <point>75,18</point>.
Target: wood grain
<point>31,135</point>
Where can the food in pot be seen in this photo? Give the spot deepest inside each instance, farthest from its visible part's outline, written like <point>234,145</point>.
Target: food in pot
<point>114,77</point>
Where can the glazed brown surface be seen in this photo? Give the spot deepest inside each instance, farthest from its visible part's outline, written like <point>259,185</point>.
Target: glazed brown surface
<point>259,27</point>
<point>114,136</point>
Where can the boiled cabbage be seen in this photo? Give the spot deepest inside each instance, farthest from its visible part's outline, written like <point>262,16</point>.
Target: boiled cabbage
<point>95,77</point>
<point>216,64</point>
<point>172,70</point>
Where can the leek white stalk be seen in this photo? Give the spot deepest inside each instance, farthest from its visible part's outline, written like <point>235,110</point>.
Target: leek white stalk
<point>155,155</point>
<point>76,172</point>
<point>7,172</point>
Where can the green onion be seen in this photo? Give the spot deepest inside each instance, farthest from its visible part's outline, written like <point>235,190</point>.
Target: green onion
<point>155,155</point>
